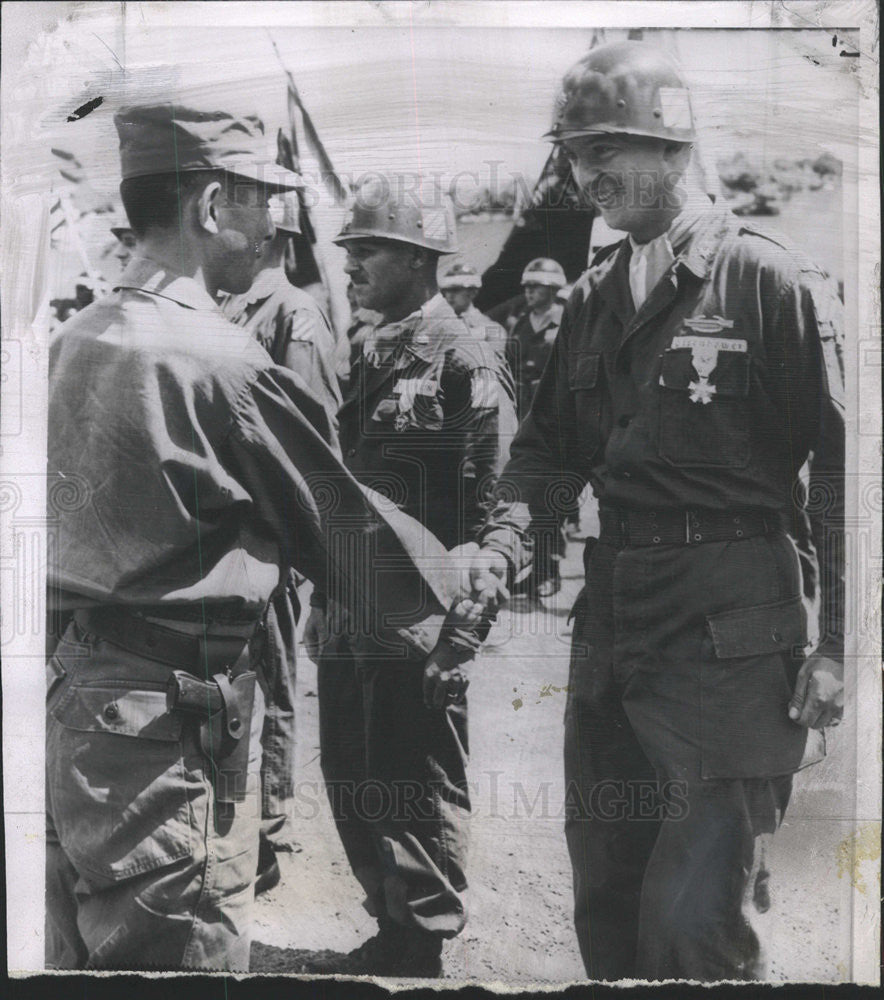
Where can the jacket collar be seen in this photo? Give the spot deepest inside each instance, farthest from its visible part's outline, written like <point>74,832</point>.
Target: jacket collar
<point>268,281</point>
<point>145,275</point>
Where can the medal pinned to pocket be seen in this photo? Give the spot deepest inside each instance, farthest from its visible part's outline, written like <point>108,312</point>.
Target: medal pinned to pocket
<point>705,348</point>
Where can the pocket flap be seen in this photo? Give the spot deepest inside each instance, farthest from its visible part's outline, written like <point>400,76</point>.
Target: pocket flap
<point>120,710</point>
<point>767,628</point>
<point>585,373</point>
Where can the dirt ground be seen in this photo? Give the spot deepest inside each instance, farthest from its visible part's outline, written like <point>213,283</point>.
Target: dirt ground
<point>519,930</point>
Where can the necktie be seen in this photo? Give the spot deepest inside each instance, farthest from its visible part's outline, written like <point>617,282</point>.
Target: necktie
<point>648,264</point>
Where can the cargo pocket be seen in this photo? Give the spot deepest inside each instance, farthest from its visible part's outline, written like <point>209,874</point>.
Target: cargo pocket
<point>713,433</point>
<point>119,796</point>
<point>751,658</point>
<point>584,381</point>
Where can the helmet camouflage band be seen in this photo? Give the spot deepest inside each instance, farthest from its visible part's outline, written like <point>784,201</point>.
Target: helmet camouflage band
<point>630,88</point>
<point>405,208</point>
<point>460,276</point>
<point>544,271</point>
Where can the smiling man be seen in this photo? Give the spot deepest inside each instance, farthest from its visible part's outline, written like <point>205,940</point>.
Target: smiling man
<point>695,383</point>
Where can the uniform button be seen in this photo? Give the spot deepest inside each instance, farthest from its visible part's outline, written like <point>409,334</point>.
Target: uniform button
<point>624,421</point>
<point>776,635</point>
<point>111,712</point>
<point>698,537</point>
<point>656,539</point>
<point>351,452</point>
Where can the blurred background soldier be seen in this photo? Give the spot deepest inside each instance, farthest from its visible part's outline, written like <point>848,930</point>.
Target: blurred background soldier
<point>126,241</point>
<point>695,382</point>
<point>202,469</point>
<point>459,284</point>
<point>289,324</point>
<point>531,338</point>
<point>287,321</point>
<point>427,422</point>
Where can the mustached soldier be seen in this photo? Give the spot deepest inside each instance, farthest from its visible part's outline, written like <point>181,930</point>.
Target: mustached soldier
<point>427,421</point>
<point>696,371</point>
<point>202,473</point>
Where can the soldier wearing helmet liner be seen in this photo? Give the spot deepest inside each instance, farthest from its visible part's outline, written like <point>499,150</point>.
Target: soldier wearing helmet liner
<point>459,284</point>
<point>425,420</point>
<point>695,380</point>
<point>530,342</point>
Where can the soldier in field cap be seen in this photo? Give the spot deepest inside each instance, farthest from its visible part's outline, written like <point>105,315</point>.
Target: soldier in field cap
<point>204,473</point>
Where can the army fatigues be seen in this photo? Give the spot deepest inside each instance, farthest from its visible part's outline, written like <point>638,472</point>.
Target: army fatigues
<point>197,471</point>
<point>691,419</point>
<point>288,323</point>
<point>426,423</point>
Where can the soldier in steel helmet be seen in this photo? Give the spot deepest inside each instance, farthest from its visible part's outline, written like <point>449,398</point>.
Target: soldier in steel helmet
<point>695,383</point>
<point>427,421</point>
<point>197,473</point>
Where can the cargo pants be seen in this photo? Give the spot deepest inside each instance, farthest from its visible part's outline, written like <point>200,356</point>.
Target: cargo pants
<point>679,751</point>
<point>145,869</point>
<point>395,774</point>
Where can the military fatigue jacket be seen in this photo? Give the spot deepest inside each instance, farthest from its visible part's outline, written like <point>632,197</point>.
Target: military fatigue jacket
<point>528,350</point>
<point>195,472</point>
<point>427,419</point>
<point>713,395</point>
<point>290,326</point>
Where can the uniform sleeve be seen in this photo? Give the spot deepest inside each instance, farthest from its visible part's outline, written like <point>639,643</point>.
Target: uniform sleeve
<point>542,456</point>
<point>809,333</point>
<point>310,351</point>
<point>383,566</point>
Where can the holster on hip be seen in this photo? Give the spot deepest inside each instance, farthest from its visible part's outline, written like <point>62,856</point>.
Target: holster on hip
<point>225,736</point>
<point>224,707</point>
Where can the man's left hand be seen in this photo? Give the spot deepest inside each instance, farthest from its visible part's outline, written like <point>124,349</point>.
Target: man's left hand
<point>818,700</point>
<point>444,678</point>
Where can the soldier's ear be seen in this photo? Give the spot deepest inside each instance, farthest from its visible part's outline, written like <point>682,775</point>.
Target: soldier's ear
<point>208,204</point>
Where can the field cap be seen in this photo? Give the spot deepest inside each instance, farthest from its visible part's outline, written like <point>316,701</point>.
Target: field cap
<point>174,138</point>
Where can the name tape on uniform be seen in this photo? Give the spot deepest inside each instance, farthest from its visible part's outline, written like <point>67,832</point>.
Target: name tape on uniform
<point>709,344</point>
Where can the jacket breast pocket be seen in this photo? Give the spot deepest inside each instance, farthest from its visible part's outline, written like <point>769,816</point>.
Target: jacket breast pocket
<point>704,420</point>
<point>585,384</point>
<point>118,792</point>
<point>751,659</point>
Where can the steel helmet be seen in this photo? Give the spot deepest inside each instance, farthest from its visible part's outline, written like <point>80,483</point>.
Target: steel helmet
<point>460,276</point>
<point>544,271</point>
<point>405,208</point>
<point>630,88</point>
<point>284,211</point>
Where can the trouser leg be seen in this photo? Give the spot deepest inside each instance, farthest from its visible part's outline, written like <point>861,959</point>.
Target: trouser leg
<point>607,779</point>
<point>279,667</point>
<point>342,742</point>
<point>416,764</point>
<point>147,871</point>
<point>395,773</point>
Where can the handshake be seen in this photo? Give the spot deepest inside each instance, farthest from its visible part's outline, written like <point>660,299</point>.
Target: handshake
<point>445,679</point>
<point>484,591</point>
